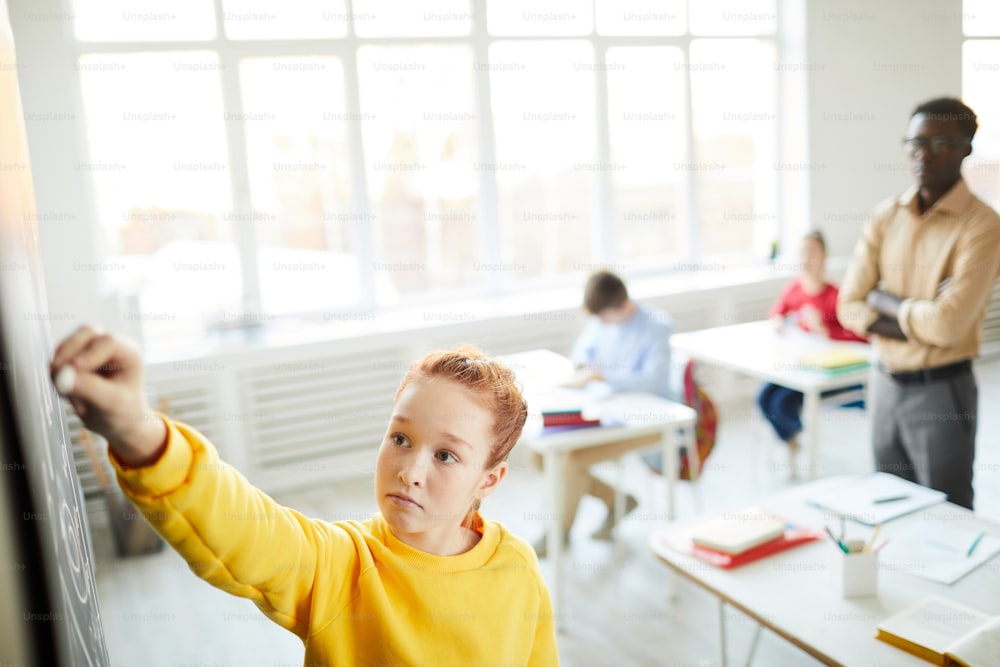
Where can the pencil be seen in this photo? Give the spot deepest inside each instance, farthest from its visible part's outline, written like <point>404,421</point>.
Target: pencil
<point>871,540</point>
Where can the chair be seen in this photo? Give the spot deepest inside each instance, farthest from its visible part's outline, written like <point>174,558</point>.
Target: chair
<point>698,445</point>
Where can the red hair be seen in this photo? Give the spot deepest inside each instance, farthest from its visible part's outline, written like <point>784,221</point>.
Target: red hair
<point>493,384</point>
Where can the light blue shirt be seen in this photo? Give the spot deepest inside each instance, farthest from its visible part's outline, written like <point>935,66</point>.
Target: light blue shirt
<point>632,356</point>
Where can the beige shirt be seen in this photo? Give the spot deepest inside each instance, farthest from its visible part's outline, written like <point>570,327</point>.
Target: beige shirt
<point>942,263</point>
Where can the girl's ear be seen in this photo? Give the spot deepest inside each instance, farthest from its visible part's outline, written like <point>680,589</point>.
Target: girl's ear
<point>491,480</point>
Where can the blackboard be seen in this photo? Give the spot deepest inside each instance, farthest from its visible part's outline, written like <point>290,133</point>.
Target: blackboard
<point>54,614</point>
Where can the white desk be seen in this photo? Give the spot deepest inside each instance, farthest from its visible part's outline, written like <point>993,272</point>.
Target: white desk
<point>757,350</point>
<point>540,372</point>
<point>793,595</point>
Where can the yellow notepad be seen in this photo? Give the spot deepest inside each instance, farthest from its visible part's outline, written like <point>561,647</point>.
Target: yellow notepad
<point>835,359</point>
<point>944,633</point>
<point>736,532</point>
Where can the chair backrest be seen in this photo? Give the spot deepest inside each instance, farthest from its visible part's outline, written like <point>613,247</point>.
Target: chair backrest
<point>705,426</point>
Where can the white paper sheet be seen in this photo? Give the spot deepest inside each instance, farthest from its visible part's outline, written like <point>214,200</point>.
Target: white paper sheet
<point>937,551</point>
<point>859,499</point>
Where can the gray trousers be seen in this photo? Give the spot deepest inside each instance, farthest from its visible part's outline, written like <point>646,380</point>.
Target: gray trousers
<point>926,433</point>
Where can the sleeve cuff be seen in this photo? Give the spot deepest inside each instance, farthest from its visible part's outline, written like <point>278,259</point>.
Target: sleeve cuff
<point>856,316</point>
<point>168,473</point>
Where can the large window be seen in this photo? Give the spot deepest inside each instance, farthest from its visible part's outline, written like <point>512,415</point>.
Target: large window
<point>980,83</point>
<point>327,158</point>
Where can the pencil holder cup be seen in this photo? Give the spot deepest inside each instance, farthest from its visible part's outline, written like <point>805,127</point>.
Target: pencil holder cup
<point>856,573</point>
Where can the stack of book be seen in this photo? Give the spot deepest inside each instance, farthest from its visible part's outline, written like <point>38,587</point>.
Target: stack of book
<point>738,538</point>
<point>835,360</point>
<point>568,417</point>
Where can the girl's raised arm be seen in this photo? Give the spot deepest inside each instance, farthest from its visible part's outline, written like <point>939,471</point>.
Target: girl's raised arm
<point>232,534</point>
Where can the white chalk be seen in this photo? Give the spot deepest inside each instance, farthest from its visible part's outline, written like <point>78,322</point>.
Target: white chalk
<point>65,379</point>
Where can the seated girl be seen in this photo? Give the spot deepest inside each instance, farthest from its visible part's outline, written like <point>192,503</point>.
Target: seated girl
<point>812,301</point>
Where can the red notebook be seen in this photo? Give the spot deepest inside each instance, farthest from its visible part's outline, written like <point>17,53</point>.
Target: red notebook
<point>793,537</point>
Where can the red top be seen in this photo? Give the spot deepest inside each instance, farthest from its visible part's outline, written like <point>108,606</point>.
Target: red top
<point>794,297</point>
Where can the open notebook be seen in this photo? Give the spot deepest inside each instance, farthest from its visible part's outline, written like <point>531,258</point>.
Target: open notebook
<point>945,633</point>
<point>876,498</point>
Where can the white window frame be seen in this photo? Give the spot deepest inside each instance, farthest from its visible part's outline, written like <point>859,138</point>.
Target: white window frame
<point>230,52</point>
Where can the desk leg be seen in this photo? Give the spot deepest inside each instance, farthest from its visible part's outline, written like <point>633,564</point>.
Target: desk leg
<point>671,469</point>
<point>619,508</point>
<point>694,457</point>
<point>555,471</point>
<point>810,429</point>
<point>671,466</point>
<point>753,645</point>
<point>723,658</point>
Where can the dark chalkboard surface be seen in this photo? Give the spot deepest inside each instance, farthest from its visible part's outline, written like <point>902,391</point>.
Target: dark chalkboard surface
<point>50,613</point>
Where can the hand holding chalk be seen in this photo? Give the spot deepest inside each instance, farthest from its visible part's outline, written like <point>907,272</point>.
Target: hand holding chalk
<point>102,377</point>
<point>65,380</point>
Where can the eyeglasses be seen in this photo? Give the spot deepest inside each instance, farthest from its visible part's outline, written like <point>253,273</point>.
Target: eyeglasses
<point>936,145</point>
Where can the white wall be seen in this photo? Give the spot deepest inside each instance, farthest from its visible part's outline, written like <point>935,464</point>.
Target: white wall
<point>67,225</point>
<point>873,62</point>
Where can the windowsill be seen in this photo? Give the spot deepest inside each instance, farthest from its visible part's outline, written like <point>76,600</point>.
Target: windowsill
<point>551,305</point>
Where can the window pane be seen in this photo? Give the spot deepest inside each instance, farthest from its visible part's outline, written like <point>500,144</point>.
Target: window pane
<point>735,128</point>
<point>641,17</point>
<point>161,179</point>
<point>266,19</point>
<point>142,20</point>
<point>980,81</point>
<point>646,107</point>
<point>733,17</point>
<point>547,169</point>
<point>419,133</point>
<point>401,18</point>
<point>300,186</point>
<point>539,17</point>
<point>981,17</point>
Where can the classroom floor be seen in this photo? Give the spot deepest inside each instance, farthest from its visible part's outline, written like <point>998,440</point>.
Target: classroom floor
<point>157,613</point>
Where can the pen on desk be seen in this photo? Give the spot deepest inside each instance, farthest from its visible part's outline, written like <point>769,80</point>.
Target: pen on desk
<point>890,499</point>
<point>871,540</point>
<point>975,543</point>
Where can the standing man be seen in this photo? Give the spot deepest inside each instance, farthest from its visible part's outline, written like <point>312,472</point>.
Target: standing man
<point>919,281</point>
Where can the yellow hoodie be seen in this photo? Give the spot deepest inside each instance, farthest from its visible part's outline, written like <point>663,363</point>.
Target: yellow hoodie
<point>352,592</point>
